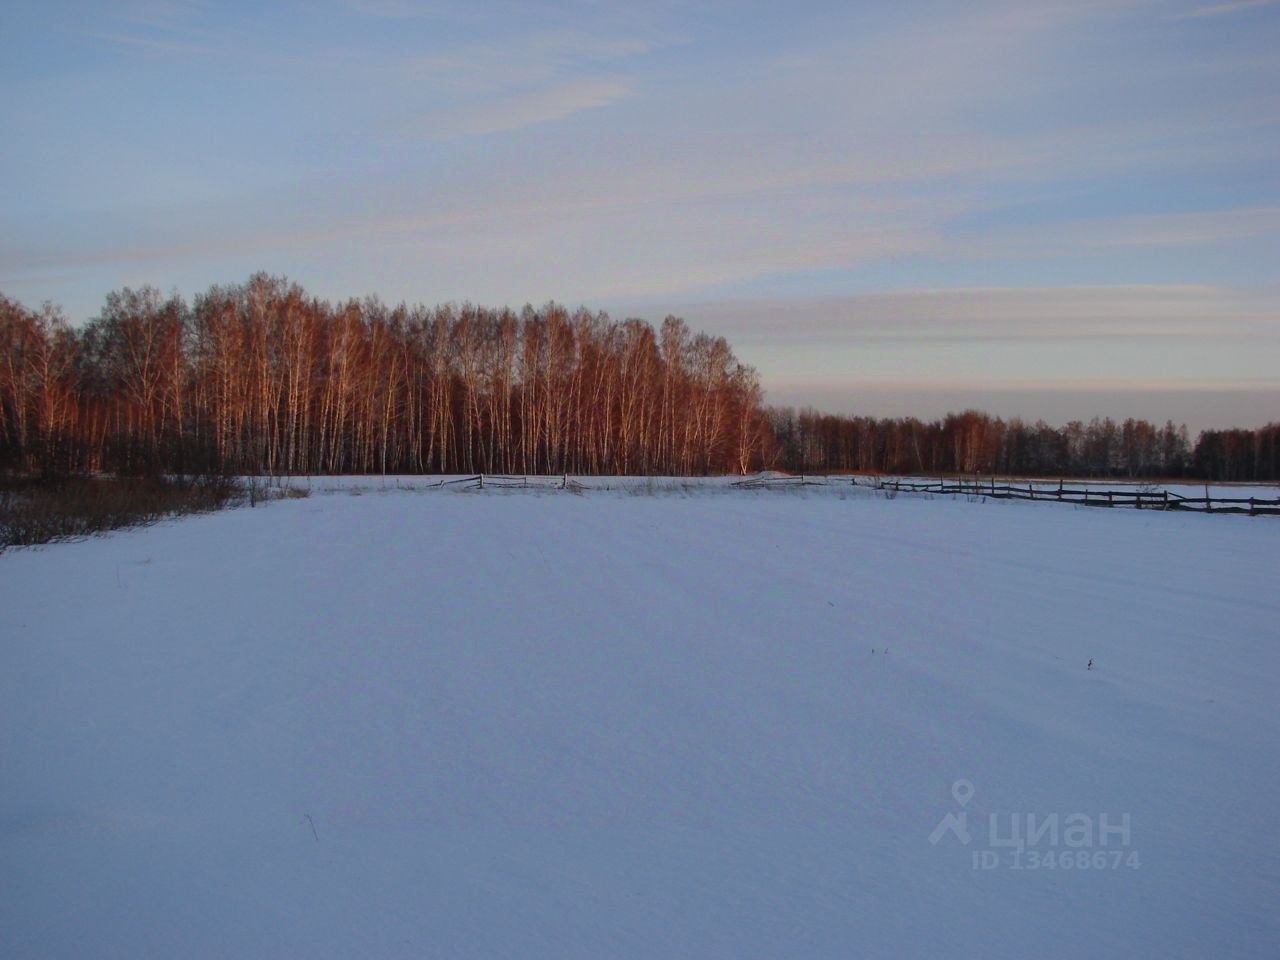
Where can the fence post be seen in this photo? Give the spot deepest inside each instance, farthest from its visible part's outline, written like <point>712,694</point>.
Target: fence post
<point>1251,506</point>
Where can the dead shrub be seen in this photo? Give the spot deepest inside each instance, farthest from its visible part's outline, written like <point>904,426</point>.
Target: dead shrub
<point>33,512</point>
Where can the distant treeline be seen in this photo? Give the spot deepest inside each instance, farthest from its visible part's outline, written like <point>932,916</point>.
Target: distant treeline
<point>262,378</point>
<point>976,443</point>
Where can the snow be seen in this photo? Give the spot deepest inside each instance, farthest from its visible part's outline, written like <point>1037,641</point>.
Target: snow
<point>703,723</point>
<point>365,483</point>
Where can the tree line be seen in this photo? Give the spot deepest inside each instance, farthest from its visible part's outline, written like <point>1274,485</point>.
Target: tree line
<point>261,378</point>
<point>973,442</point>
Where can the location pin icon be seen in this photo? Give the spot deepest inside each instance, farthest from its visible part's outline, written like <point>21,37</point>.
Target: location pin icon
<point>962,790</point>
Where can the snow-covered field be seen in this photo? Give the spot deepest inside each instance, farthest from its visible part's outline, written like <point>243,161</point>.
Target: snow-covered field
<point>692,484</point>
<point>705,723</point>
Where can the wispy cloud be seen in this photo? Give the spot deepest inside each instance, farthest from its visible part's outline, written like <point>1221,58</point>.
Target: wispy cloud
<point>1192,230</point>
<point>1200,403</point>
<point>524,60</point>
<point>395,9</point>
<point>1200,228</point>
<point>559,48</point>
<point>161,45</point>
<point>523,109</point>
<point>175,29</point>
<point>1154,312</point>
<point>1225,9</point>
<point>161,14</point>
<point>1062,384</point>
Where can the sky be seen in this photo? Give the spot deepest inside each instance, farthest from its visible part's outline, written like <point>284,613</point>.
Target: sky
<point>1046,209</point>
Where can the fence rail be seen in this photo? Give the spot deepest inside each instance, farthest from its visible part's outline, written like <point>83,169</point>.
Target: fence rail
<point>1141,499</point>
<point>512,482</point>
<point>771,483</point>
<point>1084,496</point>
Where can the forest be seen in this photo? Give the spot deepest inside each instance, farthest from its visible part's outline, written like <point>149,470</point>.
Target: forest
<point>261,378</point>
<point>973,442</point>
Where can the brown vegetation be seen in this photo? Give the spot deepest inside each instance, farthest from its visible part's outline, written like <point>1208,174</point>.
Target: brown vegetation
<point>34,512</point>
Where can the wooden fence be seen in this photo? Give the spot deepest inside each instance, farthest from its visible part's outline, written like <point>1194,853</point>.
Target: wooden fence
<point>1141,499</point>
<point>780,482</point>
<point>493,481</point>
<point>1083,496</point>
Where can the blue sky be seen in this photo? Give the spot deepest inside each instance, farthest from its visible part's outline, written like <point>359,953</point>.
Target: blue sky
<point>1057,209</point>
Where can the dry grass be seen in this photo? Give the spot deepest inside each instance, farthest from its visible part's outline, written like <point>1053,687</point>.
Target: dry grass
<point>32,512</point>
